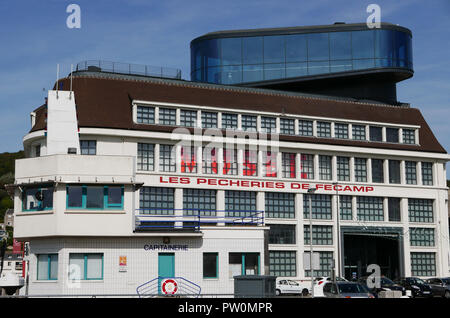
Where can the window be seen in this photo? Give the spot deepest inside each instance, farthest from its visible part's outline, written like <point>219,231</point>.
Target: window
<point>377,171</point>
<point>326,261</point>
<point>167,158</point>
<point>392,135</point>
<point>360,170</point>
<point>199,202</point>
<point>230,164</point>
<point>427,173</point>
<point>37,198</point>
<point>243,264</point>
<point>322,234</point>
<point>146,157</point>
<point>420,210</point>
<point>343,168</point>
<point>321,206</point>
<point>358,132</point>
<point>268,125</point>
<point>281,234</point>
<point>210,265</point>
<point>287,126</point>
<point>280,205</point>
<point>156,201</point>
<point>188,159</point>
<point>345,207</point>
<point>410,172</point>
<point>394,171</point>
<point>167,116</point>
<point>269,163</point>
<point>421,236</point>
<point>240,203</point>
<point>209,161</point>
<point>325,172</point>
<point>85,266</point>
<point>248,122</point>
<point>47,266</point>
<point>341,130</point>
<point>375,133</point>
<point>305,127</point>
<point>307,166</point>
<point>394,209</point>
<point>250,164</point>
<point>283,263</point>
<point>288,165</point>
<point>95,197</point>
<point>423,264</point>
<point>323,129</point>
<point>188,118</point>
<point>209,120</point>
<point>409,136</point>
<point>37,150</point>
<point>88,147</point>
<point>369,208</point>
<point>229,121</point>
<point>145,115</point>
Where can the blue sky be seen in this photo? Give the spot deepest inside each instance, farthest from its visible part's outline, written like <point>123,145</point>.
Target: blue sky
<point>34,38</point>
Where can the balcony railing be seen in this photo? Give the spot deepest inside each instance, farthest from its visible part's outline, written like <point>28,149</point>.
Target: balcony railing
<point>191,220</point>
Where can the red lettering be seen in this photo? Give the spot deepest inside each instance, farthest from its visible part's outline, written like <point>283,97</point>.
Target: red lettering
<point>201,180</point>
<point>212,181</point>
<point>369,189</point>
<point>173,180</point>
<point>223,182</point>
<point>328,187</point>
<point>355,188</point>
<point>245,184</point>
<point>185,180</point>
<point>269,184</point>
<point>319,186</point>
<point>305,186</point>
<point>279,185</point>
<point>347,188</point>
<point>161,180</point>
<point>295,185</point>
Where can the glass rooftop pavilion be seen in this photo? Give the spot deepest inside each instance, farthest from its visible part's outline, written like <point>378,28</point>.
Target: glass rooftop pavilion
<point>308,58</point>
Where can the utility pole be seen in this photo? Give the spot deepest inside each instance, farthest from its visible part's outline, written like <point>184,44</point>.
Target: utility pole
<point>338,232</point>
<point>311,192</point>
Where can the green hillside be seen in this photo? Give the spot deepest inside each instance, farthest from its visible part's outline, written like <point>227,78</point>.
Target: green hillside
<point>7,176</point>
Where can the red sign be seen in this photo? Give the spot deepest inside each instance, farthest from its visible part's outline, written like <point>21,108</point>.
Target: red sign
<point>17,247</point>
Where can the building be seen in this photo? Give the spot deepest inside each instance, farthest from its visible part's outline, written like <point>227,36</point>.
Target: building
<point>130,178</point>
<point>9,217</point>
<point>12,263</point>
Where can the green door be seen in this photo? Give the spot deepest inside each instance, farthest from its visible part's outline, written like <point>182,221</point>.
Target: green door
<point>166,267</point>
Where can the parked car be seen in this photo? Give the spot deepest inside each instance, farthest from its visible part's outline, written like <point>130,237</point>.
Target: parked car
<point>286,286</point>
<point>385,284</point>
<point>346,290</point>
<point>319,282</point>
<point>416,285</point>
<point>440,286</point>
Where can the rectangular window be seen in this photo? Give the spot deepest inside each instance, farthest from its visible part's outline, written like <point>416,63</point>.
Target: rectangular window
<point>146,157</point>
<point>243,264</point>
<point>167,116</point>
<point>345,207</point>
<point>369,209</point>
<point>360,169</point>
<point>287,126</point>
<point>188,118</point>
<point>230,164</point>
<point>326,261</point>
<point>209,162</point>
<point>156,201</point>
<point>377,171</point>
<point>209,120</point>
<point>38,150</point>
<point>323,129</point>
<point>423,264</point>
<point>86,266</point>
<point>248,122</point>
<point>341,130</point>
<point>421,236</point>
<point>145,115</point>
<point>210,265</point>
<point>199,202</point>
<point>47,266</point>
<point>320,204</point>
<point>420,210</point>
<point>392,135</point>
<point>229,121</point>
<point>394,171</point>
<point>394,209</point>
<point>268,125</point>
<point>359,132</point>
<point>250,164</point>
<point>167,158</point>
<point>282,234</point>
<point>288,165</point>
<point>409,136</point>
<point>306,166</point>
<point>375,133</point>
<point>322,234</point>
<point>343,168</point>
<point>305,127</point>
<point>88,147</point>
<point>282,263</point>
<point>240,203</point>
<point>325,172</point>
<point>411,172</point>
<point>37,198</point>
<point>427,173</point>
<point>280,205</point>
<point>95,197</point>
<point>269,163</point>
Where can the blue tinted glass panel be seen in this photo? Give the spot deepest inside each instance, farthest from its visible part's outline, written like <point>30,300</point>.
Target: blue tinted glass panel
<point>318,67</point>
<point>340,46</point>
<point>401,45</point>
<point>252,50</point>
<point>198,54</point>
<point>231,74</point>
<point>273,71</point>
<point>384,63</point>
<point>363,44</point>
<point>409,52</point>
<point>318,48</point>
<point>296,48</point>
<point>213,74</point>
<point>212,53</point>
<point>274,49</point>
<point>296,69</point>
<point>363,63</point>
<point>384,44</point>
<point>252,73</point>
<point>231,51</point>
<point>340,66</point>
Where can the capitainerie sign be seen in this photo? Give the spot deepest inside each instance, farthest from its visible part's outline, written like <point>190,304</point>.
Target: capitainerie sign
<point>227,183</point>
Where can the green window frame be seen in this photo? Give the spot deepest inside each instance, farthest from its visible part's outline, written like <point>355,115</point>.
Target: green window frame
<point>106,202</point>
<point>49,259</point>
<point>85,257</point>
<point>44,205</point>
<point>243,259</point>
<point>207,266</point>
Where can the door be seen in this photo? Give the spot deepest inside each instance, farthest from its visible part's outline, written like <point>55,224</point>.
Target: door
<point>166,267</point>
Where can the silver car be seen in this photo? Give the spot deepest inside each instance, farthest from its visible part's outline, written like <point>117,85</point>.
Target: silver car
<point>346,290</point>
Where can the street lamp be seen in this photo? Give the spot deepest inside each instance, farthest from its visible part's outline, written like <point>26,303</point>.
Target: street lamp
<point>338,231</point>
<point>311,192</point>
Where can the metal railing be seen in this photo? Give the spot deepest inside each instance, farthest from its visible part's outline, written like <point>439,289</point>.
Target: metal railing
<point>193,219</point>
<point>152,288</point>
<point>128,69</point>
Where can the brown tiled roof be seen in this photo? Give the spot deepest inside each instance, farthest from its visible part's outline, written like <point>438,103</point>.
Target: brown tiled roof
<point>104,102</point>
